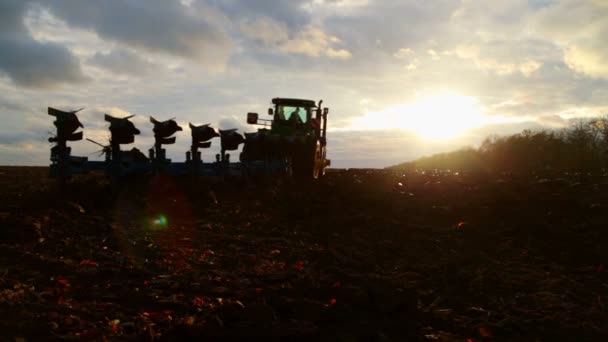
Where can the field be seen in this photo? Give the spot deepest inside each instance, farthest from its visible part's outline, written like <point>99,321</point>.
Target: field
<point>364,255</point>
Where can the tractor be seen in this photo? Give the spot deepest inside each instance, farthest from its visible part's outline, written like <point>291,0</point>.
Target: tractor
<point>296,137</point>
<point>293,143</point>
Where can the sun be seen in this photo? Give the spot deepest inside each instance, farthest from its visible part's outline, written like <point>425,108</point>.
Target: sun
<point>440,116</point>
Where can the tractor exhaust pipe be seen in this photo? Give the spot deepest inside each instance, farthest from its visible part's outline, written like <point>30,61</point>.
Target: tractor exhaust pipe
<point>324,136</point>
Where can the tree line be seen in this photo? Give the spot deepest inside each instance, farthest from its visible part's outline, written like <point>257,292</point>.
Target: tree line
<point>582,147</point>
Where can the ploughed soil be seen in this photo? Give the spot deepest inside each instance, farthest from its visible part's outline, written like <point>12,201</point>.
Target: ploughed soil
<point>362,255</point>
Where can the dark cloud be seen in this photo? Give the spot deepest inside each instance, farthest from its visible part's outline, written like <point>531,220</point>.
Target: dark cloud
<point>122,61</point>
<point>28,62</point>
<point>33,64</point>
<point>153,25</point>
<point>11,16</point>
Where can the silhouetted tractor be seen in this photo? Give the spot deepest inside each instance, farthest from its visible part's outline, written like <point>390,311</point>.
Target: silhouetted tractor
<point>295,138</point>
<point>292,144</point>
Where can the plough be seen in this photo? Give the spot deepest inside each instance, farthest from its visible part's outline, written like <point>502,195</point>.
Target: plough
<point>293,144</point>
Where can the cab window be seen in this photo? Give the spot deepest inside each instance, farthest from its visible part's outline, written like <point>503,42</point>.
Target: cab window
<point>291,113</point>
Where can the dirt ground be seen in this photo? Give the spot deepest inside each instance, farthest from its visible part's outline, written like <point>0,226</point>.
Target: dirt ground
<point>360,256</point>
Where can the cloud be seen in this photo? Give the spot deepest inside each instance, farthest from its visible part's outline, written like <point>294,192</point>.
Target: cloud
<point>375,30</point>
<point>580,28</point>
<point>291,12</point>
<point>122,61</point>
<point>309,41</point>
<point>28,62</point>
<point>466,51</point>
<point>153,25</point>
<point>403,53</point>
<point>265,31</point>
<point>32,64</point>
<point>433,54</point>
<point>588,60</point>
<point>530,67</point>
<point>312,42</point>
<point>232,122</point>
<point>474,53</point>
<point>546,54</point>
<point>338,54</point>
<point>553,121</point>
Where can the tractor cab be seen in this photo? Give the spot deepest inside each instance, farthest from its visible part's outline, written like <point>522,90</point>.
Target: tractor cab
<point>292,116</point>
<point>296,135</point>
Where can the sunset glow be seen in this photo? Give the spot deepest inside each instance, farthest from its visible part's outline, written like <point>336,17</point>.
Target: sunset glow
<point>436,117</point>
<point>401,79</point>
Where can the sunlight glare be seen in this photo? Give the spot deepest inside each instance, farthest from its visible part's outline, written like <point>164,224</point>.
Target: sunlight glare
<point>438,117</point>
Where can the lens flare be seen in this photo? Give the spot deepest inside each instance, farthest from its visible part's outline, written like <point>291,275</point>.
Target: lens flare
<point>161,221</point>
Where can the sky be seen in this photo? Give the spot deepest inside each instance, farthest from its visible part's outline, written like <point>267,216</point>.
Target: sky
<point>402,78</point>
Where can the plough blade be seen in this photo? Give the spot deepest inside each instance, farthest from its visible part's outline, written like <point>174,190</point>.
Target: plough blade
<point>75,136</point>
<point>166,141</point>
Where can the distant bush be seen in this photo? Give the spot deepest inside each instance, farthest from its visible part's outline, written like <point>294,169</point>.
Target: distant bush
<point>581,147</point>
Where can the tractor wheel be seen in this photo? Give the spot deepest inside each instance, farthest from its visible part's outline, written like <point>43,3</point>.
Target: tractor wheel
<point>318,169</point>
<point>306,165</point>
